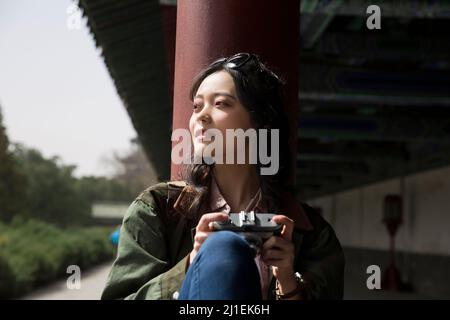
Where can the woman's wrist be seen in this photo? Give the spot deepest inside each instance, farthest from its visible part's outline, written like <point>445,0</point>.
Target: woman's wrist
<point>285,275</point>
<point>287,284</point>
<point>289,287</point>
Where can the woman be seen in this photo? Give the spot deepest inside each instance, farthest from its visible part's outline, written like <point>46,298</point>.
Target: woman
<point>168,247</point>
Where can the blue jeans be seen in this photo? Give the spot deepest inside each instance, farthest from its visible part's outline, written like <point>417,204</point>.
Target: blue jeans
<point>223,269</point>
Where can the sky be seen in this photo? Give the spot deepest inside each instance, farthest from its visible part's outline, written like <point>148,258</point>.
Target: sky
<point>56,94</point>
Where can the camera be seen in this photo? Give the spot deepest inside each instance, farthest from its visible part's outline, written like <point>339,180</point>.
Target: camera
<point>253,227</point>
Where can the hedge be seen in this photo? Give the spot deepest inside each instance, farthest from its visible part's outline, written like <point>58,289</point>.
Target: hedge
<point>33,253</point>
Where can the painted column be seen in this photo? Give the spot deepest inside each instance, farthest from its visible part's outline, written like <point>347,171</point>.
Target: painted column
<point>209,29</point>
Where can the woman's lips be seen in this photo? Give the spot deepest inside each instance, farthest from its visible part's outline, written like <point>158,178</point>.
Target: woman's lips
<point>200,135</point>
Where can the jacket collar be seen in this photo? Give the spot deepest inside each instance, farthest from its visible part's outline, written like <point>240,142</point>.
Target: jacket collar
<point>290,207</point>
<point>218,203</point>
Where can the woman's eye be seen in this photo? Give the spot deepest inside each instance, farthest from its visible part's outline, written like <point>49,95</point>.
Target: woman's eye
<point>196,107</point>
<point>221,103</point>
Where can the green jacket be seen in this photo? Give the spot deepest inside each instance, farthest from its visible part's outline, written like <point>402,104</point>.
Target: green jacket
<point>156,239</point>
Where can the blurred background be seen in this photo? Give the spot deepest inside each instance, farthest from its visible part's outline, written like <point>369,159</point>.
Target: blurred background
<point>70,160</point>
<point>88,99</point>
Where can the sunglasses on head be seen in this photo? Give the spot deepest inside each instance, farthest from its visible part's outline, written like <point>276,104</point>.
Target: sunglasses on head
<point>240,59</point>
<point>236,61</point>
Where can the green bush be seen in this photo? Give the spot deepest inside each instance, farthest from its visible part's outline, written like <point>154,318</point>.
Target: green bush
<point>6,277</point>
<point>34,253</point>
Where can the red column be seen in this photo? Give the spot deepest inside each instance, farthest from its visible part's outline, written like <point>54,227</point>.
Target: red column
<point>209,29</point>
<point>169,19</point>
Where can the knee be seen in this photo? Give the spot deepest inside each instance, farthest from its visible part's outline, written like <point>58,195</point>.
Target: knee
<point>227,243</point>
<point>226,267</point>
<point>228,252</point>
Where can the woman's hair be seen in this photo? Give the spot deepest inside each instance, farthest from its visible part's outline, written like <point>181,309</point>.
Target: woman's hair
<point>261,92</point>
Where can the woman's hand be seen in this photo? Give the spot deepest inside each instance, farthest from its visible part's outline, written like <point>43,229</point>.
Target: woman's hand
<point>203,230</point>
<point>278,252</point>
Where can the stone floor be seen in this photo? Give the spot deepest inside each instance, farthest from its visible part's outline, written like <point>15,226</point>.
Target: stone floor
<point>93,280</point>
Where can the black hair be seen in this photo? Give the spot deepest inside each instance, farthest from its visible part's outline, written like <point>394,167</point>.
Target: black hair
<point>261,92</point>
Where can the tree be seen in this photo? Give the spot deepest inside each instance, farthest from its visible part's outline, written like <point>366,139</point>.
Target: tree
<point>12,181</point>
<point>132,169</point>
<point>46,189</point>
<point>51,194</point>
<point>103,189</point>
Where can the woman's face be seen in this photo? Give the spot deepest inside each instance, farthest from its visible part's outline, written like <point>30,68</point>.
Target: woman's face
<point>216,106</point>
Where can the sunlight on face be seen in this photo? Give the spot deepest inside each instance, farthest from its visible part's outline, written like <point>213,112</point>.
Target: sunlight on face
<point>216,106</point>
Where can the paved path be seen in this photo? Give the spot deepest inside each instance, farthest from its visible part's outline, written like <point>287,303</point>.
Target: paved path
<point>92,283</point>
<point>93,280</point>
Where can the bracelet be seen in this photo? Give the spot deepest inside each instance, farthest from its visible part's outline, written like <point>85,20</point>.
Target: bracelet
<point>298,289</point>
